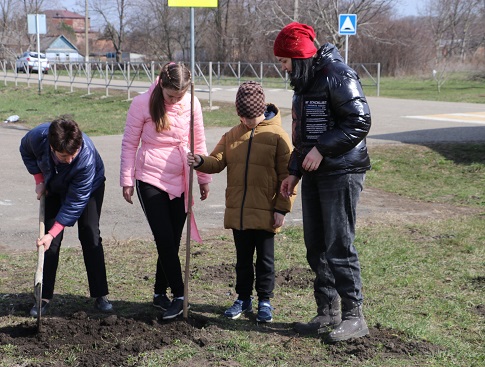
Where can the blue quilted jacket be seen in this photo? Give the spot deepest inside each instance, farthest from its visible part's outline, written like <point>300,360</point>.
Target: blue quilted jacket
<point>74,182</point>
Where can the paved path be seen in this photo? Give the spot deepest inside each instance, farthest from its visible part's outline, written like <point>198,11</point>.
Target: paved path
<point>394,121</point>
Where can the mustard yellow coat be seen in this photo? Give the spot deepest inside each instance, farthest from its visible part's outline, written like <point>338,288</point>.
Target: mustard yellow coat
<point>257,162</point>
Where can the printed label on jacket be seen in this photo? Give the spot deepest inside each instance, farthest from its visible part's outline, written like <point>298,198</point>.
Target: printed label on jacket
<point>315,119</point>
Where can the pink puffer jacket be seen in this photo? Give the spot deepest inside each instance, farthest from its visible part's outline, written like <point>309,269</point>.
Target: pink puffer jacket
<point>161,159</point>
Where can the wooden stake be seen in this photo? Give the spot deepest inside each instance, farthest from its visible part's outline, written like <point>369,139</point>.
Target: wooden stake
<point>189,209</point>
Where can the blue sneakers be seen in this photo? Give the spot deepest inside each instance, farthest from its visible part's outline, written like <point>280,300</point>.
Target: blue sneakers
<point>264,312</point>
<point>239,306</point>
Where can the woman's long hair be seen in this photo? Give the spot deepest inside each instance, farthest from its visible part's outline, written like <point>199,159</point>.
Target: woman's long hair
<point>301,74</point>
<point>172,76</point>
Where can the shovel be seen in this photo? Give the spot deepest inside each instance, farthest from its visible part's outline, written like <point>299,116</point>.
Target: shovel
<point>40,265</point>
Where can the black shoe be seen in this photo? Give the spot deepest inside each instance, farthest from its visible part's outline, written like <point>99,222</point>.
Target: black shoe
<point>175,309</point>
<point>162,301</point>
<point>43,308</point>
<point>103,304</point>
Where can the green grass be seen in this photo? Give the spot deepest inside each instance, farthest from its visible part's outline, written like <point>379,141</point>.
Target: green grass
<point>457,88</point>
<point>446,173</point>
<point>95,113</point>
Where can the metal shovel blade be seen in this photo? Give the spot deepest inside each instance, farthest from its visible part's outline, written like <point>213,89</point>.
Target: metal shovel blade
<point>38,302</point>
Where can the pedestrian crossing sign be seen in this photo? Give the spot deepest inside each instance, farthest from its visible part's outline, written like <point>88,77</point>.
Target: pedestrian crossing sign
<point>347,24</point>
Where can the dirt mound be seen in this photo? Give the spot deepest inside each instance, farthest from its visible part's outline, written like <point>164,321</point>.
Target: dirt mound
<point>110,340</point>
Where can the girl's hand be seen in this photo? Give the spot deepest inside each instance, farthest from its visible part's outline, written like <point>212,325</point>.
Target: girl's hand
<point>128,193</point>
<point>204,191</point>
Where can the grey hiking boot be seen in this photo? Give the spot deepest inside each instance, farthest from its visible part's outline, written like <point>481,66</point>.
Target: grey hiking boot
<point>353,324</point>
<point>43,308</point>
<point>103,305</point>
<point>328,317</point>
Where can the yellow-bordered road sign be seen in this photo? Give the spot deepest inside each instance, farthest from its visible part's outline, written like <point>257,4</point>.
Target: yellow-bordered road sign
<point>193,3</point>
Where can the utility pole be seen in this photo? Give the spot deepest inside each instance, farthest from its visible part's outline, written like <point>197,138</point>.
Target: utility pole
<point>86,30</point>
<point>86,36</point>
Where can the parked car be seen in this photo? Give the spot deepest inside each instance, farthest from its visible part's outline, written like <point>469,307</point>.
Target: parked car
<point>30,61</point>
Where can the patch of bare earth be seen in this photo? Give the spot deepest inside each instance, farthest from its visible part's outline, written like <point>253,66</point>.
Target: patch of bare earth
<point>380,206</point>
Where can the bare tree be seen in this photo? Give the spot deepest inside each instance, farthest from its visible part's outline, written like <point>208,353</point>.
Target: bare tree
<point>115,16</point>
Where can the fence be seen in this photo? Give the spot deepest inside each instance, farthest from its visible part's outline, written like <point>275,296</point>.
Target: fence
<point>134,76</point>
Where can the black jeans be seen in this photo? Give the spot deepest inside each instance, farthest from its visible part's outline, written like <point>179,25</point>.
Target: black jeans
<point>166,219</point>
<point>91,243</point>
<point>329,217</point>
<point>247,241</point>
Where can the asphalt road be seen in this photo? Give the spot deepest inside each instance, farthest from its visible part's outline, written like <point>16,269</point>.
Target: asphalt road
<point>394,122</point>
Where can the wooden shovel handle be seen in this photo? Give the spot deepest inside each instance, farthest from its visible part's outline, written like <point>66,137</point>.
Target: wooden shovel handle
<point>40,249</point>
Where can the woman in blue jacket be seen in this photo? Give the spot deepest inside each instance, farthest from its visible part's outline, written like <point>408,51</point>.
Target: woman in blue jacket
<point>68,169</point>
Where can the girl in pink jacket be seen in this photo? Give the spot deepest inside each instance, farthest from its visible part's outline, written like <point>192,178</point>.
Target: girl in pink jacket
<point>160,120</point>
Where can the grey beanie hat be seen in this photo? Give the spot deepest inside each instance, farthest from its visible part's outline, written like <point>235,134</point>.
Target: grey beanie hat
<point>250,102</point>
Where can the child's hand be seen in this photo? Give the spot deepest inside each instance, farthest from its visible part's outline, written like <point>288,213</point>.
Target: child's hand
<point>279,220</point>
<point>193,158</point>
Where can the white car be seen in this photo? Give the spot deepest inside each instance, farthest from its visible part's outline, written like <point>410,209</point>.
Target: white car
<point>30,61</point>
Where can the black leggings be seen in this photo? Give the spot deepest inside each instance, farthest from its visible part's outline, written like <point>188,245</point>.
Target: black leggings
<point>166,219</point>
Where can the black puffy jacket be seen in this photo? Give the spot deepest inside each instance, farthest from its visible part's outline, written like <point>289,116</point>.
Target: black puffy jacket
<point>333,115</point>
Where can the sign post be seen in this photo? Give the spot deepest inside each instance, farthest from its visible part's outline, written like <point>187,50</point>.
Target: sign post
<point>36,25</point>
<point>347,25</point>
<point>191,4</point>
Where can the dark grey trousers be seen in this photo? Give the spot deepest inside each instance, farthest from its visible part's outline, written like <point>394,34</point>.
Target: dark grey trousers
<point>329,216</point>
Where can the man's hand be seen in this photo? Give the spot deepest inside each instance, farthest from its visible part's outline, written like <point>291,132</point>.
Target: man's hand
<point>312,160</point>
<point>288,185</point>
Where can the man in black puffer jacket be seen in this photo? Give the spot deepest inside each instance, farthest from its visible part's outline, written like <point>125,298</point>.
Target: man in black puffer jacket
<point>331,119</point>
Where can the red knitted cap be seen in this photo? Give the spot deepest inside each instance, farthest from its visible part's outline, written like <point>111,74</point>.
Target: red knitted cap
<point>295,41</point>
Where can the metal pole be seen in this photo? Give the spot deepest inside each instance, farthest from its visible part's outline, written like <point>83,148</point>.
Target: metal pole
<point>39,65</point>
<point>86,30</point>
<point>346,48</point>
<point>86,36</point>
<point>192,43</point>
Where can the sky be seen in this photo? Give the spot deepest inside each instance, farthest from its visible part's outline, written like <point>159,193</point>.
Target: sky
<point>408,7</point>
<point>403,7</point>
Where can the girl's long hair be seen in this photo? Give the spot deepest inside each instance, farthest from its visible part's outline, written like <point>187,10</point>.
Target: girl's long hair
<point>301,74</point>
<point>174,76</point>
